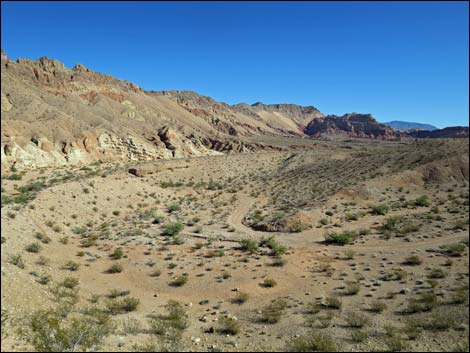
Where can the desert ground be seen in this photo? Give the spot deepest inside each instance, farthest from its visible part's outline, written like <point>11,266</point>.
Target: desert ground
<point>353,245</point>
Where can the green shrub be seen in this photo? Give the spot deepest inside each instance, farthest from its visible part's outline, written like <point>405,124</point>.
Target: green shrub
<point>422,201</point>
<point>174,207</point>
<point>33,247</point>
<point>352,288</point>
<point>115,268</point>
<point>377,306</point>
<point>456,249</point>
<point>12,177</point>
<point>413,260</point>
<point>340,238</point>
<point>228,325</point>
<point>356,320</point>
<point>176,318</point>
<point>269,283</point>
<point>312,342</point>
<point>115,293</point>
<point>17,260</point>
<point>390,223</point>
<point>180,281</point>
<point>173,229</point>
<point>117,254</point>
<point>42,237</point>
<point>71,266</point>
<point>437,273</point>
<point>380,210</point>
<point>248,245</point>
<point>49,332</point>
<point>358,336</point>
<point>122,306</point>
<point>424,302</point>
<point>272,313</point>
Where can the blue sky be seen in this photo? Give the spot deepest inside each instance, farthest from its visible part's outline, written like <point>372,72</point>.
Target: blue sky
<point>396,60</point>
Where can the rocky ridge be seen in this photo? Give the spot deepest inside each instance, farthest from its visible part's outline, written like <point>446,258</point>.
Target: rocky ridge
<point>53,115</point>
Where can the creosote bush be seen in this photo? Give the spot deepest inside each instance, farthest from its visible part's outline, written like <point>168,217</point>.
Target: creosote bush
<point>312,342</point>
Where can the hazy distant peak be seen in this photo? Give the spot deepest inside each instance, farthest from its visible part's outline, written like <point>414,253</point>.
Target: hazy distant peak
<point>408,125</point>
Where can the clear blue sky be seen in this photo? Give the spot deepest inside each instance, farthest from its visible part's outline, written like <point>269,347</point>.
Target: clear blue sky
<point>397,60</point>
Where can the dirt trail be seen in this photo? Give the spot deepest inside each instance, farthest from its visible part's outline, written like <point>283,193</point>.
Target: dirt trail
<point>314,236</point>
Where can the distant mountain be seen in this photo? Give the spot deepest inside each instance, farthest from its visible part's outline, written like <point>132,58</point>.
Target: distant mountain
<point>406,125</point>
<point>351,125</point>
<point>448,132</point>
<point>53,115</point>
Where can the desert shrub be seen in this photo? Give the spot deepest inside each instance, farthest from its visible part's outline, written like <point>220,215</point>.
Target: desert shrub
<point>422,201</point>
<point>240,298</point>
<point>352,288</point>
<point>228,325</point>
<point>248,245</point>
<point>349,254</point>
<point>424,302</point>
<point>158,219</point>
<point>33,247</point>
<point>79,230</point>
<point>115,293</point>
<point>437,273</point>
<point>47,331</point>
<point>390,223</point>
<point>408,228</point>
<point>377,306</point>
<point>343,238</point>
<point>312,342</point>
<point>352,216</point>
<point>180,281</point>
<point>32,187</point>
<point>42,237</point>
<point>122,306</point>
<point>71,266</point>
<point>358,336</point>
<point>117,254</point>
<point>172,229</point>
<point>395,343</point>
<point>276,248</point>
<point>273,312</point>
<point>456,249</point>
<point>115,268</point>
<point>131,326</point>
<point>413,260</point>
<point>332,303</point>
<point>69,282</point>
<point>394,275</point>
<point>176,318</point>
<point>12,177</point>
<point>356,320</point>
<point>460,296</point>
<point>324,221</point>
<point>16,260</point>
<point>380,210</point>
<point>269,283</point>
<point>174,207</point>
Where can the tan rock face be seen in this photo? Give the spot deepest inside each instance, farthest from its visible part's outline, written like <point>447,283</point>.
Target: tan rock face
<point>53,115</point>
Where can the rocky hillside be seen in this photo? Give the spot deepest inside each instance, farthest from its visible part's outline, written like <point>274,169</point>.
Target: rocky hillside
<point>351,125</point>
<point>54,115</point>
<point>448,132</point>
